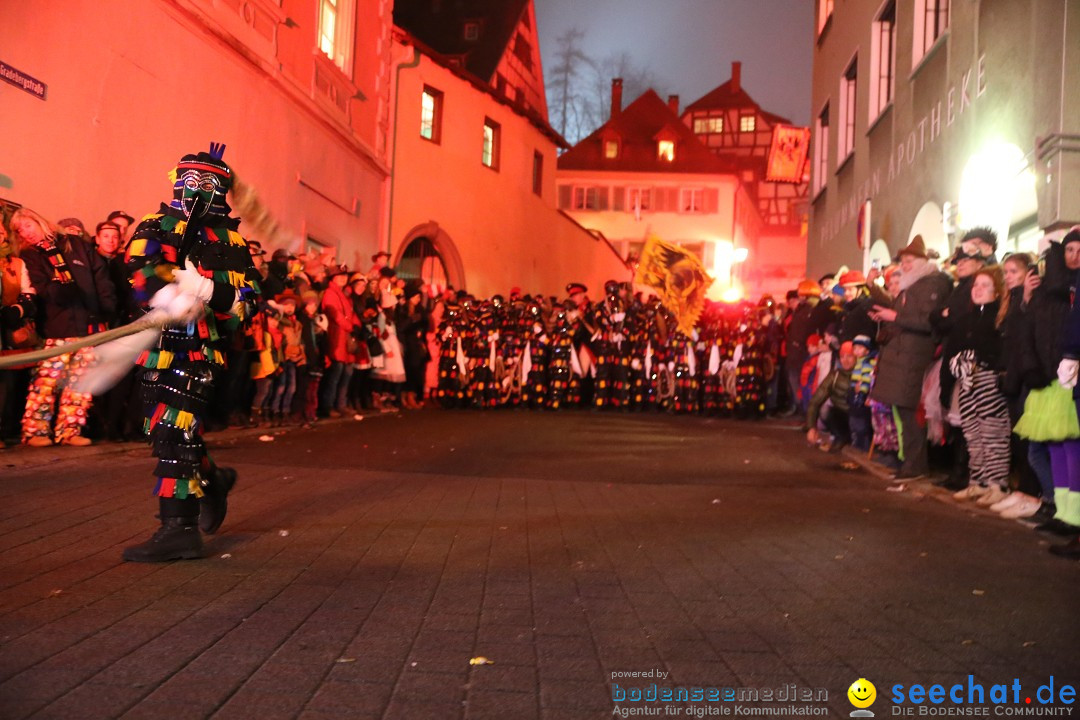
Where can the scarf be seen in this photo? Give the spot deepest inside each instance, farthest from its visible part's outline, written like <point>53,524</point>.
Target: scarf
<point>56,259</point>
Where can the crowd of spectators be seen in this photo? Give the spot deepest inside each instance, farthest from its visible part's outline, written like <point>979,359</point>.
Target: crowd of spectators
<point>965,365</point>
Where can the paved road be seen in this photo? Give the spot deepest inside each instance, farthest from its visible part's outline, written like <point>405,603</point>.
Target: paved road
<point>363,565</point>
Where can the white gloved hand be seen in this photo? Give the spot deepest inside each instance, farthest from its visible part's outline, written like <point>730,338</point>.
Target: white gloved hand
<point>178,306</point>
<point>618,317</point>
<point>191,282</point>
<point>1067,371</point>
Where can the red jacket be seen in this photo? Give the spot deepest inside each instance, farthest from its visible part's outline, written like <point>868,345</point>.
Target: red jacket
<point>339,311</point>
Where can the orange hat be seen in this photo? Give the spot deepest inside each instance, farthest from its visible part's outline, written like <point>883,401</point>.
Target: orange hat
<point>847,348</point>
<point>813,339</point>
<point>809,288</point>
<point>852,278</point>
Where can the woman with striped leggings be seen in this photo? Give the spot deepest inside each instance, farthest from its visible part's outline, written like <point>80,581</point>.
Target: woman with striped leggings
<point>984,412</point>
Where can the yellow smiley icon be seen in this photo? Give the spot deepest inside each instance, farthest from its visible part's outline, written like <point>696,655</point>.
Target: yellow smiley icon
<point>862,693</point>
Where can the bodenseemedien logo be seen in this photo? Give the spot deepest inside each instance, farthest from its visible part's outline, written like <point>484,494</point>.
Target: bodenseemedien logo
<point>861,694</point>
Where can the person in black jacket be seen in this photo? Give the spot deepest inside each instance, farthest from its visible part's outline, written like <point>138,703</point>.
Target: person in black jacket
<point>975,362</point>
<point>120,406</point>
<point>75,298</point>
<point>1047,316</point>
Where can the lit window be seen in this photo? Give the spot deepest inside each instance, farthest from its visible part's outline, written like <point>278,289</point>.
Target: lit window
<point>586,198</point>
<point>882,60</point>
<point>821,149</point>
<point>335,32</point>
<point>931,22</point>
<point>666,150</point>
<point>538,172</point>
<point>611,149</point>
<point>704,126</point>
<point>431,114</point>
<point>638,199</point>
<point>825,8</point>
<point>845,138</point>
<point>490,156</point>
<point>747,123</point>
<point>692,200</point>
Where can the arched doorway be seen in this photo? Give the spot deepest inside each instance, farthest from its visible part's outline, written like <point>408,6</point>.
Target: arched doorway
<point>421,260</point>
<point>928,223</point>
<point>430,255</point>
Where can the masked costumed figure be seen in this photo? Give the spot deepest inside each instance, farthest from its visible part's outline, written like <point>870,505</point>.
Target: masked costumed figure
<point>637,344</point>
<point>483,353</point>
<point>189,260</point>
<point>750,373</point>
<point>564,369</point>
<point>450,390</point>
<point>610,347</point>
<point>534,358</point>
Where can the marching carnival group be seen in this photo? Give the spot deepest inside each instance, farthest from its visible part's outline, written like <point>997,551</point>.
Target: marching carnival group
<point>971,359</point>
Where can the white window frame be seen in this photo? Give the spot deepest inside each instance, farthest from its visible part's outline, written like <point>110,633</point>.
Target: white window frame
<point>708,125</point>
<point>431,119</point>
<point>845,128</point>
<point>335,22</point>
<point>585,197</point>
<point>665,150</point>
<point>931,23</point>
<point>692,200</point>
<point>882,61</point>
<point>825,11</point>
<point>489,155</point>
<point>820,172</point>
<point>638,199</point>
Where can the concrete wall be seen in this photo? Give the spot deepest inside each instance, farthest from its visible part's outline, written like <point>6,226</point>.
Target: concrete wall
<point>135,84</point>
<point>997,76</point>
<point>504,234</point>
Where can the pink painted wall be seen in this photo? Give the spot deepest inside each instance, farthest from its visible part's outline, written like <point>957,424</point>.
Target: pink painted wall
<point>134,84</point>
<point>504,233</point>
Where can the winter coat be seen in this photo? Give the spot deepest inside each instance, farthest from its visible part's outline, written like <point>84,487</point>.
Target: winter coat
<point>834,387</point>
<point>68,310</point>
<point>856,320</point>
<point>903,361</point>
<point>339,310</point>
<point>806,320</point>
<point>1014,334</point>
<point>17,306</point>
<point>959,306</point>
<point>412,333</point>
<point>314,344</point>
<point>1047,317</point>
<point>977,332</point>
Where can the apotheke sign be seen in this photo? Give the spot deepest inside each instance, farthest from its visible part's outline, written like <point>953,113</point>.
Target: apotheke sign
<point>929,128</point>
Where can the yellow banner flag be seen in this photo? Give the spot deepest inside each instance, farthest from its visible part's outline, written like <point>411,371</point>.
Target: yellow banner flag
<point>677,276</point>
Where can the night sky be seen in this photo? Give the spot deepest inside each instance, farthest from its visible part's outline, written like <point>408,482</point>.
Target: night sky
<point>689,44</point>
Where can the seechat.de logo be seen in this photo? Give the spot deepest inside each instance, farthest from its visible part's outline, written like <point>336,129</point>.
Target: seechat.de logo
<point>862,694</point>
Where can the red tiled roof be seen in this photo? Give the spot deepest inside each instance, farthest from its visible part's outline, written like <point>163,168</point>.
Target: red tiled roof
<point>722,98</point>
<point>636,128</point>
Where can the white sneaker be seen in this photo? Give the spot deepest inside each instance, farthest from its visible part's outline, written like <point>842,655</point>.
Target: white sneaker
<point>992,497</point>
<point>971,492</point>
<point>1009,500</point>
<point>1025,508</point>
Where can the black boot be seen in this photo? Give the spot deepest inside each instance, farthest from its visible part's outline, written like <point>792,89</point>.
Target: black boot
<point>215,499</point>
<point>178,537</point>
<point>1070,549</point>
